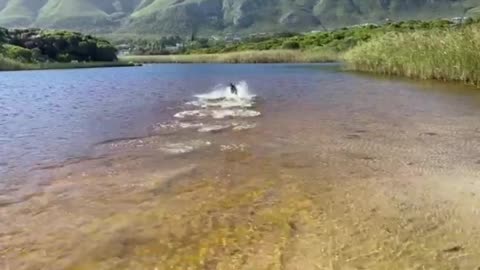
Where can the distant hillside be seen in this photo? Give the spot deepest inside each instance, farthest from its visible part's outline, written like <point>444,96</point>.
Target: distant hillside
<point>185,17</point>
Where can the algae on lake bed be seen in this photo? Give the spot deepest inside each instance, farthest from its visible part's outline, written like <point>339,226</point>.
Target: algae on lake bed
<point>273,217</point>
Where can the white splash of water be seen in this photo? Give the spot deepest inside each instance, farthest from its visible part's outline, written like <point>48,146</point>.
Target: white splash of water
<point>222,97</point>
<point>217,109</point>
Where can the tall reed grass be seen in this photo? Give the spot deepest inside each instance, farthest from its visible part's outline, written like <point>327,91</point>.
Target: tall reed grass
<point>448,55</point>
<point>270,56</point>
<point>9,64</point>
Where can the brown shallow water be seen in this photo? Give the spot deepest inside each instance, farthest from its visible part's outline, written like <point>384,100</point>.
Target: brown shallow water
<point>341,171</point>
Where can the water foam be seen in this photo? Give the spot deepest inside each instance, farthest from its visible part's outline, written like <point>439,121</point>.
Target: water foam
<point>217,114</point>
<point>213,128</point>
<point>221,114</point>
<point>243,126</point>
<point>184,147</point>
<point>192,113</point>
<point>190,125</point>
<point>174,126</point>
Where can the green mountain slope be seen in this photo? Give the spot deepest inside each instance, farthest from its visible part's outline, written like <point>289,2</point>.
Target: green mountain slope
<point>209,16</point>
<point>20,12</point>
<point>70,13</point>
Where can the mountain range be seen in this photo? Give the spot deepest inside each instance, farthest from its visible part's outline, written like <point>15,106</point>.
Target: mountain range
<point>185,17</point>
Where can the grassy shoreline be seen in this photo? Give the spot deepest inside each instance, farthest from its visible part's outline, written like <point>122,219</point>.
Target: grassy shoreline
<point>439,50</point>
<point>253,57</point>
<point>12,65</point>
<point>445,54</point>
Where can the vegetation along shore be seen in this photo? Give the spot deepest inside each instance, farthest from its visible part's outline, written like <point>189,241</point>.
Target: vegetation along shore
<point>438,49</point>
<point>448,55</point>
<point>267,56</point>
<point>23,49</point>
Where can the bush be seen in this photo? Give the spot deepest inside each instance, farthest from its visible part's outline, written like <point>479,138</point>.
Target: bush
<point>84,51</point>
<point>3,34</point>
<point>64,58</point>
<point>37,54</point>
<point>105,52</point>
<point>17,53</point>
<point>291,45</point>
<point>62,46</point>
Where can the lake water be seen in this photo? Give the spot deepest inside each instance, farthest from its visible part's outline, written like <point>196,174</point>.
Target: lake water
<point>309,167</point>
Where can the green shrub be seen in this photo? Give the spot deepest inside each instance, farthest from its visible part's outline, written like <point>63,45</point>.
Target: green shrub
<point>17,53</point>
<point>84,51</point>
<point>3,35</point>
<point>290,45</point>
<point>62,46</point>
<point>37,54</point>
<point>105,52</point>
<point>64,58</point>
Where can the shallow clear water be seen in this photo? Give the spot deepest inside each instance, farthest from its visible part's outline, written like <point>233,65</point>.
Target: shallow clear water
<point>49,116</point>
<point>311,167</point>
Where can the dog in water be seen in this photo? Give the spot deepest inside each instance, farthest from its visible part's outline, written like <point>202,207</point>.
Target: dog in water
<point>233,89</point>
